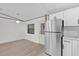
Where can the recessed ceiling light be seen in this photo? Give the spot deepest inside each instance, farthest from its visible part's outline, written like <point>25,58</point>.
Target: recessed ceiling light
<point>17,22</point>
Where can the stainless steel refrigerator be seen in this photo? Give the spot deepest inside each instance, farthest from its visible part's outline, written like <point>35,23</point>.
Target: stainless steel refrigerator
<point>54,36</point>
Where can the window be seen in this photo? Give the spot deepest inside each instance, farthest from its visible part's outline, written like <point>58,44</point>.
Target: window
<point>31,28</point>
<point>42,28</point>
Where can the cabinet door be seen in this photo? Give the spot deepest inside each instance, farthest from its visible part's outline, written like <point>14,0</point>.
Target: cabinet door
<point>67,48</point>
<point>75,48</point>
<point>71,17</point>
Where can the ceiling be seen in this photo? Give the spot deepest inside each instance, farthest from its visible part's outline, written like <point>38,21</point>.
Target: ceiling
<point>27,11</point>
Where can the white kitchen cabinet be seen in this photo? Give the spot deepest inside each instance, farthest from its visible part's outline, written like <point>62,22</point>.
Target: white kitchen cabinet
<point>71,47</point>
<point>67,50</point>
<point>71,17</point>
<point>75,47</point>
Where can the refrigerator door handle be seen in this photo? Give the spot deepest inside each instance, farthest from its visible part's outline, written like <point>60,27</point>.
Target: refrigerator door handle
<point>52,32</point>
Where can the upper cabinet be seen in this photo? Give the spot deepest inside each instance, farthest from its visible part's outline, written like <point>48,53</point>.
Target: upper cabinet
<point>71,17</point>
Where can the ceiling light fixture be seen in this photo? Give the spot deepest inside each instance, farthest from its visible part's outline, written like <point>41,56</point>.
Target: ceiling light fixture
<point>17,22</point>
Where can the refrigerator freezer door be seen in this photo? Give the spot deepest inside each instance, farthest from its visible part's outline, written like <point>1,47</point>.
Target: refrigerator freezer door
<point>56,25</point>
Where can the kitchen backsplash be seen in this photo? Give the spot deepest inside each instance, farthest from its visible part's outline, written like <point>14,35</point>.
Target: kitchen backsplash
<point>71,31</point>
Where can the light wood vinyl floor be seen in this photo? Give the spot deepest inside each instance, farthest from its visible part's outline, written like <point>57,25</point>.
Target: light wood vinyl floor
<point>21,47</point>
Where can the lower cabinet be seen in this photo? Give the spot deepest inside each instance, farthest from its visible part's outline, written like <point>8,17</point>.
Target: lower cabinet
<point>71,47</point>
<point>67,49</point>
<point>75,47</point>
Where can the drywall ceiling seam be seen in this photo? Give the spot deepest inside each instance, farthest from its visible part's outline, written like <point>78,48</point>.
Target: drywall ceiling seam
<point>34,18</point>
<point>11,17</point>
<point>4,17</point>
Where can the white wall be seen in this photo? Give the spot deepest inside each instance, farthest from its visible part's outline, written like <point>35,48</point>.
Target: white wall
<point>37,37</point>
<point>10,31</point>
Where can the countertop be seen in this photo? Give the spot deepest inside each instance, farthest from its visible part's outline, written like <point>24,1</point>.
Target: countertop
<point>71,38</point>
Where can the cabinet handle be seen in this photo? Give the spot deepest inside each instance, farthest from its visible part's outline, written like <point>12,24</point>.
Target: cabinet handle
<point>67,41</point>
